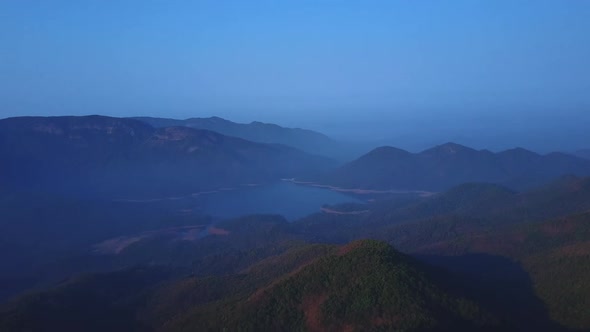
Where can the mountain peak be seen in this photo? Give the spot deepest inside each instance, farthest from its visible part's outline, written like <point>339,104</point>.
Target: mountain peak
<point>266,125</point>
<point>211,119</point>
<point>388,150</point>
<point>344,280</point>
<point>384,154</point>
<point>448,148</point>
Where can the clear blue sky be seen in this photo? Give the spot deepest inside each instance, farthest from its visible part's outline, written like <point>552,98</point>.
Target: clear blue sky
<point>318,63</point>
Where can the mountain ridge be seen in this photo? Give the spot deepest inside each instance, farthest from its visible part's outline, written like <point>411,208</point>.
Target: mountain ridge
<point>446,165</point>
<point>256,131</point>
<point>106,154</point>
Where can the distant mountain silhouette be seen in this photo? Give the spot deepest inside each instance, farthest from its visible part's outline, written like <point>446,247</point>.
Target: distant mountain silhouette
<point>448,165</point>
<point>585,153</point>
<point>303,139</point>
<point>124,156</point>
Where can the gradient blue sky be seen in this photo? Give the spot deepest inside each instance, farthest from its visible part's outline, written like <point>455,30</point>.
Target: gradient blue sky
<point>387,67</point>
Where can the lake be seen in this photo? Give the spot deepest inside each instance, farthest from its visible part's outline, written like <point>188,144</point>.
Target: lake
<point>285,198</point>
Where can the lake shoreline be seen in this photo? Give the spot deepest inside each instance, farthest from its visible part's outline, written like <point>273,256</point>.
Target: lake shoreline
<point>360,191</point>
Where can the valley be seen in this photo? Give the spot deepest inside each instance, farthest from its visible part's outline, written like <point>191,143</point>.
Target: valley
<point>172,243</point>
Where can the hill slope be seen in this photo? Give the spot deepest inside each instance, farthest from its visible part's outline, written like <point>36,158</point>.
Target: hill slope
<point>555,253</point>
<point>264,277</point>
<point>366,284</point>
<point>465,209</point>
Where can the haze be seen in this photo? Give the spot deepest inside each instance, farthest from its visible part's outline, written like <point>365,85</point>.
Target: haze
<point>490,74</point>
<point>294,165</point>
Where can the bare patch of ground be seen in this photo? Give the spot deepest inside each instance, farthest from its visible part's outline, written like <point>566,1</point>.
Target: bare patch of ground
<point>217,231</point>
<point>312,310</point>
<point>116,245</point>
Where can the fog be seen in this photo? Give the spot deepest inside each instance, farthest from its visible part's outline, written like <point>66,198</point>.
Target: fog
<point>491,75</point>
<point>290,165</point>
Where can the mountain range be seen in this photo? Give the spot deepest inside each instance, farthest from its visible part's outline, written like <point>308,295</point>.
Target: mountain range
<point>450,238</point>
<point>126,157</point>
<point>303,139</point>
<point>448,165</point>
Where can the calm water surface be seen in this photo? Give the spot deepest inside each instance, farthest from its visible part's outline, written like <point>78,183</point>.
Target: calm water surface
<point>285,198</point>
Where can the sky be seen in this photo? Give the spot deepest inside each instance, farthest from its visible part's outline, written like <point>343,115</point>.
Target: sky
<point>473,70</point>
